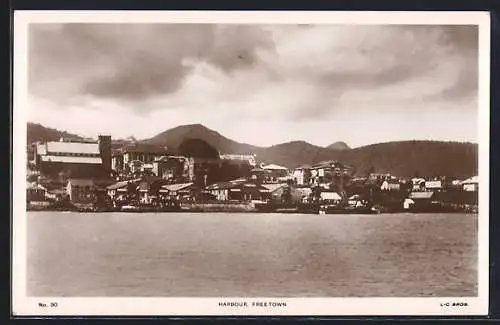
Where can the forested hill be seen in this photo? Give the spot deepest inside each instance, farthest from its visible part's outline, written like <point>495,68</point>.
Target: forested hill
<point>37,132</point>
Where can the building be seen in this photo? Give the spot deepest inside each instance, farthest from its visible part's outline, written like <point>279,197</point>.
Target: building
<point>274,173</point>
<point>35,192</point>
<point>330,197</point>
<point>390,185</point>
<point>379,176</point>
<point>118,190</point>
<point>258,175</point>
<point>237,190</point>
<point>81,190</point>
<point>74,158</point>
<point>172,168</point>
<point>419,200</point>
<point>434,185</point>
<point>471,184</point>
<point>124,157</point>
<point>418,184</point>
<point>278,192</point>
<point>331,172</point>
<point>178,191</point>
<point>301,175</point>
<point>247,159</point>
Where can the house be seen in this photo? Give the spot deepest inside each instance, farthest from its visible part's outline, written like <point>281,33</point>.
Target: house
<point>237,190</point>
<point>305,193</point>
<point>330,197</point>
<point>421,195</point>
<point>408,203</point>
<point>76,159</point>
<point>117,190</point>
<point>148,188</point>
<point>135,166</point>
<point>56,194</point>
<point>35,192</point>
<point>258,175</point>
<point>274,173</point>
<point>147,168</point>
<point>123,157</point>
<point>244,159</point>
<point>277,191</point>
<point>81,190</point>
<point>331,172</point>
<point>178,191</point>
<point>356,201</point>
<point>200,169</point>
<point>434,185</point>
<point>172,168</point>
<point>419,200</point>
<point>471,184</point>
<point>301,175</point>
<point>390,185</point>
<point>379,176</point>
<point>418,184</point>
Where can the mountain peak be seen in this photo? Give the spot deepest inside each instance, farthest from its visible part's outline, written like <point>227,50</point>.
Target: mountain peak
<point>339,145</point>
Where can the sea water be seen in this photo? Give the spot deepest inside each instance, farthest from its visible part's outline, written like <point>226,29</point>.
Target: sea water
<point>251,254</point>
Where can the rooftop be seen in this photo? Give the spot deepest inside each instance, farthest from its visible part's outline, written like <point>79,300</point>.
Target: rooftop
<point>421,195</point>
<point>273,187</point>
<point>227,185</point>
<point>81,182</point>
<point>72,159</point>
<point>472,180</point>
<point>72,147</point>
<point>176,187</point>
<point>274,167</point>
<point>118,185</point>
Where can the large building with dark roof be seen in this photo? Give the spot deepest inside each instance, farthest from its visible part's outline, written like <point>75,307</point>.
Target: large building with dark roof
<point>74,158</point>
<point>124,158</point>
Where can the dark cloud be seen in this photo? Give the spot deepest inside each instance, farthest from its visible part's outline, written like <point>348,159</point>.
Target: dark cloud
<point>403,54</point>
<point>134,61</point>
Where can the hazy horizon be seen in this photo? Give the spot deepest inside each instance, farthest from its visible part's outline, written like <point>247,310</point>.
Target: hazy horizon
<point>257,84</point>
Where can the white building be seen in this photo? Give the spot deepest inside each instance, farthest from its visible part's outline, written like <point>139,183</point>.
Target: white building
<point>390,185</point>
<point>250,159</point>
<point>300,175</point>
<point>471,184</point>
<point>433,185</point>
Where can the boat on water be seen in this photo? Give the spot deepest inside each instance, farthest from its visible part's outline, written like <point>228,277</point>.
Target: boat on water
<point>334,209</point>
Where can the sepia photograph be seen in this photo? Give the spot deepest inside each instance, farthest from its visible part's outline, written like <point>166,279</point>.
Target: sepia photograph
<point>230,163</point>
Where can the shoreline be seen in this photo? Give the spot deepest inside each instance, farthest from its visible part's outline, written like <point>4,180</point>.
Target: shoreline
<point>247,207</point>
<point>201,211</point>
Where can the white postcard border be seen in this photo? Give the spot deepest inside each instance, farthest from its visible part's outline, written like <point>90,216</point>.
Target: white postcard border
<point>24,305</point>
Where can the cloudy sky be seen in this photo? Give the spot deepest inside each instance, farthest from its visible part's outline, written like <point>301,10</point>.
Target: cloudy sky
<point>257,84</point>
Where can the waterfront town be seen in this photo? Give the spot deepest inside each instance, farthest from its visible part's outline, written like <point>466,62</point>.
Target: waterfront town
<point>78,175</point>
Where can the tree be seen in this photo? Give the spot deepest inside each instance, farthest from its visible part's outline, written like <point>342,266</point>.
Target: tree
<point>132,190</point>
<point>286,196</point>
<point>197,148</point>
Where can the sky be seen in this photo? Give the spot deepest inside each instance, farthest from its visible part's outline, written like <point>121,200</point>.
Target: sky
<point>257,84</point>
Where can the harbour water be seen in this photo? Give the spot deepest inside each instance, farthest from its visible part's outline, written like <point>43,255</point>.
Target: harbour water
<point>245,254</point>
